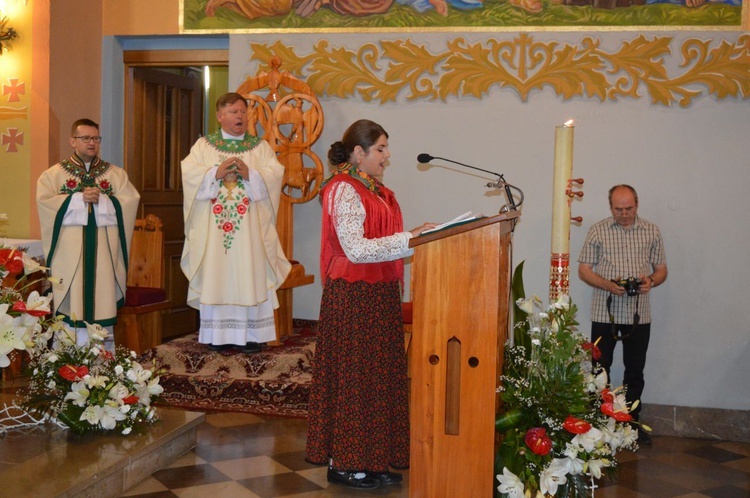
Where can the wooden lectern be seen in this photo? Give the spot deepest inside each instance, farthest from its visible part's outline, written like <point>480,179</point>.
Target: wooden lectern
<point>461,288</point>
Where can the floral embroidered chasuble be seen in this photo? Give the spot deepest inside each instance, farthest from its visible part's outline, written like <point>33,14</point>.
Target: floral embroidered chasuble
<point>232,255</point>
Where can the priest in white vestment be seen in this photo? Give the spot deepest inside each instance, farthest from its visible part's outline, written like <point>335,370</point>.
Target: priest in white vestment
<point>87,209</point>
<point>232,256</point>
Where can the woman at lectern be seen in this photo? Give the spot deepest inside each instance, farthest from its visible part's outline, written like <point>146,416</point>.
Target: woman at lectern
<point>358,419</point>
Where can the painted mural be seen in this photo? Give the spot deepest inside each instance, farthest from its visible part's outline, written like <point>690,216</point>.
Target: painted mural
<point>214,16</point>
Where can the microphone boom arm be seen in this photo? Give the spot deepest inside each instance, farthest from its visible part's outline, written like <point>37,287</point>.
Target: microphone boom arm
<point>499,176</point>
<point>499,183</point>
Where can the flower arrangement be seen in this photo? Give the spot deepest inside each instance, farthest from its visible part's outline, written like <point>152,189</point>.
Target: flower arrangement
<point>88,388</point>
<point>561,425</point>
<point>20,319</point>
<point>85,388</point>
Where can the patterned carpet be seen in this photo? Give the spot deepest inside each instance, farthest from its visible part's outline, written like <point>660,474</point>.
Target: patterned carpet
<point>273,382</point>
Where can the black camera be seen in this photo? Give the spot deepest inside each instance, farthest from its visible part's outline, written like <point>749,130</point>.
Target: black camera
<point>630,284</point>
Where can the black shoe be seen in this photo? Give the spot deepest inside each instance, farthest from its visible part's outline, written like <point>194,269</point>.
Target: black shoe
<point>219,347</point>
<point>386,478</point>
<point>252,347</point>
<point>350,479</point>
<point>643,438</point>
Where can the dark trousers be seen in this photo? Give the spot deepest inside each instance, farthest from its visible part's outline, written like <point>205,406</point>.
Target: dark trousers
<point>634,347</point>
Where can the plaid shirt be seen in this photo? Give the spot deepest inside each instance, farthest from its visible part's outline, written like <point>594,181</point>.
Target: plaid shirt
<point>617,252</point>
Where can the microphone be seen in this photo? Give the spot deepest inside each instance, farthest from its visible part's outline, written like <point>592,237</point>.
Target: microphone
<point>513,206</point>
<point>426,158</point>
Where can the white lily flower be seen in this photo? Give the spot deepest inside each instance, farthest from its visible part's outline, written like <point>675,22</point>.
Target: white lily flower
<point>588,440</point>
<point>92,414</point>
<point>147,391</point>
<point>552,476</point>
<point>154,388</point>
<point>4,360</point>
<point>11,337</point>
<point>30,265</point>
<point>118,392</point>
<point>78,393</point>
<point>526,305</point>
<point>110,415</point>
<point>600,381</point>
<point>510,484</point>
<point>573,465</point>
<point>93,381</point>
<point>563,302</point>
<point>629,435</point>
<point>96,332</point>
<point>137,373</point>
<point>595,467</point>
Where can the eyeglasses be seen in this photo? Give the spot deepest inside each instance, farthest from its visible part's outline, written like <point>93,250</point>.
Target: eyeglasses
<point>86,139</point>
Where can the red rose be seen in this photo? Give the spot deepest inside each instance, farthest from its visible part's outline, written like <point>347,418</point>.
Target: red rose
<point>107,355</point>
<point>73,373</point>
<point>576,425</point>
<point>242,209</point>
<point>538,441</point>
<point>619,415</point>
<point>245,201</point>
<point>130,400</point>
<point>104,185</point>
<point>228,226</point>
<point>218,208</point>
<point>71,184</point>
<point>19,306</point>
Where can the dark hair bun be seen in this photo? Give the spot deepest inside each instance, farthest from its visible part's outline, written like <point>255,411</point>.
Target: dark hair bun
<point>337,154</point>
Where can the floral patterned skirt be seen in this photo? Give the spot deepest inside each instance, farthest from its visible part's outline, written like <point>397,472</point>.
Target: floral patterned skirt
<point>358,412</point>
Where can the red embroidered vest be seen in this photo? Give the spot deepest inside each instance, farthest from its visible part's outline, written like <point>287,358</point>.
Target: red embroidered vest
<point>383,218</point>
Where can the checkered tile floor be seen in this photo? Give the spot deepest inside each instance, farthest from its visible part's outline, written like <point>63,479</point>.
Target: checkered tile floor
<point>240,455</point>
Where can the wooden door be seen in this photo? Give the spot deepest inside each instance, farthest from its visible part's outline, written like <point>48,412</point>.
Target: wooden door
<point>163,119</point>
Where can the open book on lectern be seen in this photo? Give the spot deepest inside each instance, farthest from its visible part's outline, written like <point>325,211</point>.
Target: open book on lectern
<point>459,220</point>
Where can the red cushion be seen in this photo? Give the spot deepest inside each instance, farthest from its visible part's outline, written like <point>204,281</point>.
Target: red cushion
<point>406,310</point>
<point>139,296</point>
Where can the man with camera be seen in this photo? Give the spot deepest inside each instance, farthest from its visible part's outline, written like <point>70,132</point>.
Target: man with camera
<point>623,259</point>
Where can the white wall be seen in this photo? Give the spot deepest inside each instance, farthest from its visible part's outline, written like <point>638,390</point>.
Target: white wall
<point>690,166</point>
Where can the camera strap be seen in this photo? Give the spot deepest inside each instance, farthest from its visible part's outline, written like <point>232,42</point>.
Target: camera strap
<point>617,334</point>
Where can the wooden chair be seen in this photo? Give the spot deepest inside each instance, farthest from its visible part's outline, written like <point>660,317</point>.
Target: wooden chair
<point>139,321</point>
